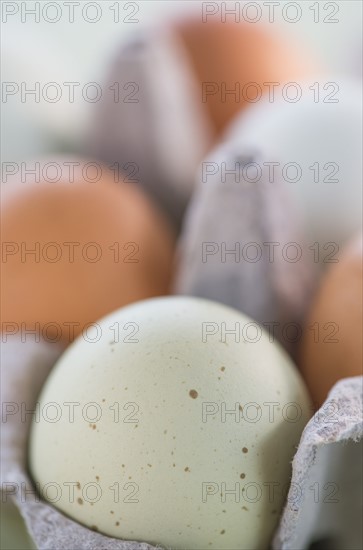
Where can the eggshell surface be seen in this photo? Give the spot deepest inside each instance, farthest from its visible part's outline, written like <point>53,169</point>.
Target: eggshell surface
<point>333,342</point>
<point>316,146</point>
<point>151,451</point>
<point>76,249</point>
<point>233,62</point>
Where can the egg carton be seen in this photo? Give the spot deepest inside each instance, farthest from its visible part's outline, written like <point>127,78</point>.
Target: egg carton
<point>323,502</point>
<point>240,259</point>
<point>159,128</point>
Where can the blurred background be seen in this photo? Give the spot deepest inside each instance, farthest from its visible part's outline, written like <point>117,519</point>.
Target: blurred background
<point>81,52</point>
<point>37,51</point>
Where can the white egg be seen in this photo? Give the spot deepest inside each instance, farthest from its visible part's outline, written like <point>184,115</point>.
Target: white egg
<point>314,144</point>
<point>170,429</point>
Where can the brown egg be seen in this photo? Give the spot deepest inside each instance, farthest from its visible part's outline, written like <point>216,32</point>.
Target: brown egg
<point>74,251</point>
<point>332,347</point>
<point>238,56</point>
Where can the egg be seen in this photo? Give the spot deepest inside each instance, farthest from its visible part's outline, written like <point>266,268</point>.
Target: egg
<point>166,119</point>
<point>333,341</point>
<point>169,429</point>
<point>313,145</point>
<point>75,250</point>
<point>233,63</point>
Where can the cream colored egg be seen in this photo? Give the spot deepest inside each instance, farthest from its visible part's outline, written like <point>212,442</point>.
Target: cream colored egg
<point>174,424</point>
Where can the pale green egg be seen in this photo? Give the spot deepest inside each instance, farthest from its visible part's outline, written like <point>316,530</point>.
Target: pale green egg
<point>172,421</point>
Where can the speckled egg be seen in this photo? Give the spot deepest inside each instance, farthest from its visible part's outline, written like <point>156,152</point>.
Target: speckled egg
<point>174,423</point>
